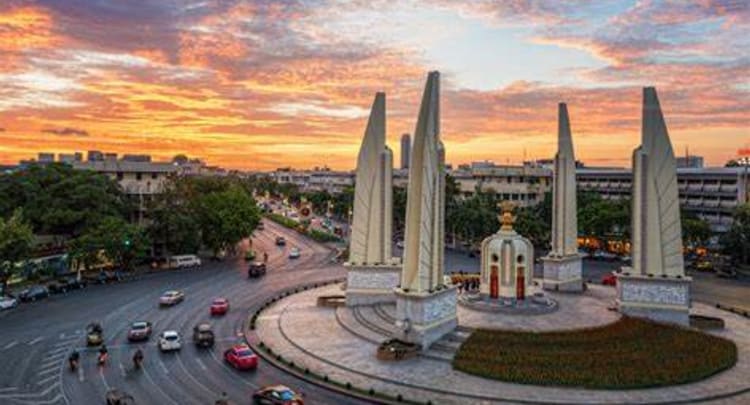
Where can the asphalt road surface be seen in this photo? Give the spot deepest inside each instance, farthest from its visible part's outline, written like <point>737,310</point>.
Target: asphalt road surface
<point>37,338</point>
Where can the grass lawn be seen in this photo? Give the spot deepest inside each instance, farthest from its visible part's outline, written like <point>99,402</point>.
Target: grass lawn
<point>630,353</point>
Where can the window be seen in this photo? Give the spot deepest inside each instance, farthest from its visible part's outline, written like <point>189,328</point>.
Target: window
<point>138,176</point>
<point>519,259</point>
<point>119,176</point>
<point>154,175</point>
<point>495,258</point>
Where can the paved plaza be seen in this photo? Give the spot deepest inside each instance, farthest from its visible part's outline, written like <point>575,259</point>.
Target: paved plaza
<point>341,342</point>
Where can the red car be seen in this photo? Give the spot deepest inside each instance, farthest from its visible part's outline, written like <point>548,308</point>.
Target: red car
<point>220,306</point>
<point>241,357</point>
<point>609,279</point>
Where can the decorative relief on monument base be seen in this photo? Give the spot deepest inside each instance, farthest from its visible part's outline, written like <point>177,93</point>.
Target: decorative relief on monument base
<point>659,299</point>
<point>371,284</point>
<point>425,318</point>
<point>563,273</point>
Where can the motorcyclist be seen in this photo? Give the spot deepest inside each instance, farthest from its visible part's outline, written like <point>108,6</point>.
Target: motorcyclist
<point>138,358</point>
<point>73,360</point>
<point>265,257</point>
<point>103,354</point>
<point>223,400</point>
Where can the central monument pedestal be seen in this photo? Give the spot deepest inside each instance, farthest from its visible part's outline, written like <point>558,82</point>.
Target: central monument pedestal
<point>368,284</point>
<point>425,317</point>
<point>662,299</point>
<point>563,273</point>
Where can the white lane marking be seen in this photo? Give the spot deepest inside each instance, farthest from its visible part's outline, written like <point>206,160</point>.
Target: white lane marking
<point>200,363</point>
<point>43,372</point>
<point>8,389</point>
<point>46,380</point>
<point>122,370</point>
<point>35,341</point>
<point>81,376</point>
<point>104,380</point>
<point>158,387</point>
<point>57,351</point>
<point>163,366</point>
<point>50,363</point>
<point>9,345</point>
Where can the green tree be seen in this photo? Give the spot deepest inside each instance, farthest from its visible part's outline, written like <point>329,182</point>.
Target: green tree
<point>736,241</point>
<point>57,199</point>
<point>696,232</point>
<point>16,238</point>
<point>226,217</point>
<point>121,242</point>
<point>343,203</point>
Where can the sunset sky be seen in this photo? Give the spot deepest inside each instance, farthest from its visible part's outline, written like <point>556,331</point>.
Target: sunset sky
<point>263,84</point>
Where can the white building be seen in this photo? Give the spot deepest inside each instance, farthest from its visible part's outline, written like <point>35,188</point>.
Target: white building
<point>318,179</point>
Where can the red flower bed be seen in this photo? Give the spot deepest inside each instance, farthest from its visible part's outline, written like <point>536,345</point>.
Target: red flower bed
<point>630,353</point>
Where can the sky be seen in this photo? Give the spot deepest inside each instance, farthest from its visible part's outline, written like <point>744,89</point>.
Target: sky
<point>263,84</point>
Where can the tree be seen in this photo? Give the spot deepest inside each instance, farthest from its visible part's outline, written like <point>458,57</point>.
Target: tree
<point>16,238</point>
<point>226,217</point>
<point>120,242</point>
<point>696,232</point>
<point>57,199</point>
<point>736,241</point>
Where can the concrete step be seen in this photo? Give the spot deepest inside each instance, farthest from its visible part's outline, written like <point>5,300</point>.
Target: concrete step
<point>437,355</point>
<point>347,320</point>
<point>367,315</point>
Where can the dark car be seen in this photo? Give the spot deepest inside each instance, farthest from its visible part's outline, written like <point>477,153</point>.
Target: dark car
<point>280,241</point>
<point>203,336</point>
<point>139,331</point>
<point>64,285</point>
<point>256,269</point>
<point>33,293</point>
<point>277,395</point>
<point>117,397</point>
<point>105,277</point>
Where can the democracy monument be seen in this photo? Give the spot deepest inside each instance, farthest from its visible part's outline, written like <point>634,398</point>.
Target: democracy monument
<point>402,330</point>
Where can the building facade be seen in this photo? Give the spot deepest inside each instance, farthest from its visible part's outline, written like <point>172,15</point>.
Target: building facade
<point>317,179</point>
<point>405,151</point>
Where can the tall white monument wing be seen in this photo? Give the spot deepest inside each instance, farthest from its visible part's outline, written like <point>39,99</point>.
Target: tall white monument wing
<point>564,216</point>
<point>657,236</point>
<point>425,191</point>
<point>370,237</point>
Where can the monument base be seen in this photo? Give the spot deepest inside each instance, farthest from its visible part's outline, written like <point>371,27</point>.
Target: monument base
<point>371,284</point>
<point>424,318</point>
<point>563,273</point>
<point>662,299</point>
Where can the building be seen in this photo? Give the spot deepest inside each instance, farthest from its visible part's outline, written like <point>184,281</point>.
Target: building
<point>136,158</point>
<point>710,193</point>
<point>689,161</point>
<point>70,157</point>
<point>95,156</point>
<point>524,185</point>
<point>405,150</point>
<point>45,157</point>
<point>317,179</point>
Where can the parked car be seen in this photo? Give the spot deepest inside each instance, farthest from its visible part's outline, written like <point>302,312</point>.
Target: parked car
<point>139,331</point>
<point>726,273</point>
<point>277,395</point>
<point>583,254</point>
<point>704,265</point>
<point>170,341</point>
<point>94,334</point>
<point>203,336</point>
<point>280,241</point>
<point>260,226</point>
<point>104,277</point>
<point>219,306</point>
<point>294,253</point>
<point>172,297</point>
<point>604,255</point>
<point>241,357</point>
<point>256,269</point>
<point>65,284</point>
<point>33,293</point>
<point>8,302</point>
<point>184,261</point>
<point>626,260</point>
<point>609,279</point>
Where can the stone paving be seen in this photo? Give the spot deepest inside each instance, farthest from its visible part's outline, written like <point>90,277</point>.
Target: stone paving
<point>315,338</point>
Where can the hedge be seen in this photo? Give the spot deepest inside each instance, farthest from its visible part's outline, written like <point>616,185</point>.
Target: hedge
<point>314,234</point>
<point>630,353</point>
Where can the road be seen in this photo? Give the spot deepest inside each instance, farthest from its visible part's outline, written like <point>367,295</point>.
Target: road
<point>37,338</point>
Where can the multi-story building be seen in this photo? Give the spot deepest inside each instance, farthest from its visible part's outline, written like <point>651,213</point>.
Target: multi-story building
<point>689,161</point>
<point>318,179</point>
<point>45,157</point>
<point>94,156</point>
<point>405,150</point>
<point>70,157</point>
<point>524,185</point>
<point>710,193</point>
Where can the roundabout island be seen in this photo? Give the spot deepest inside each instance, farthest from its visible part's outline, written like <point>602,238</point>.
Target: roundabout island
<point>398,331</point>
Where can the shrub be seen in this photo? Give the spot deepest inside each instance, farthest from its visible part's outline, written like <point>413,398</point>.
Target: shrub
<point>630,353</point>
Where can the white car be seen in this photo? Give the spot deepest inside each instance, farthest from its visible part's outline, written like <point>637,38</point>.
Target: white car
<point>169,341</point>
<point>184,261</point>
<point>172,297</point>
<point>294,253</point>
<point>8,302</point>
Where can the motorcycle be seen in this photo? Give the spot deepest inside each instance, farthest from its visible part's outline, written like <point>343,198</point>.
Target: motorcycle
<point>102,359</point>
<point>138,360</point>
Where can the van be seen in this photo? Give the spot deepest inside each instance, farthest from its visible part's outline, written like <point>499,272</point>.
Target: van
<point>183,261</point>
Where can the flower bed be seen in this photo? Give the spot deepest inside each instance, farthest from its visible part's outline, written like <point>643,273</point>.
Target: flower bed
<point>630,353</point>
<point>314,234</point>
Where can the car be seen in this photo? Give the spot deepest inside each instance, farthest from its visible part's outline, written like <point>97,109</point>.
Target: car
<point>170,341</point>
<point>219,306</point>
<point>172,297</point>
<point>250,255</point>
<point>65,284</point>
<point>726,273</point>
<point>604,255</point>
<point>294,253</point>
<point>280,241</point>
<point>704,265</point>
<point>203,336</point>
<point>184,261</point>
<point>609,279</point>
<point>260,226</point>
<point>94,334</point>
<point>8,302</point>
<point>117,397</point>
<point>33,293</point>
<point>277,394</point>
<point>583,254</point>
<point>104,277</point>
<point>256,269</point>
<point>139,331</point>
<point>241,357</point>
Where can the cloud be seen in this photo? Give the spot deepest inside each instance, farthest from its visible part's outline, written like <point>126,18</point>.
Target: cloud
<point>66,132</point>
